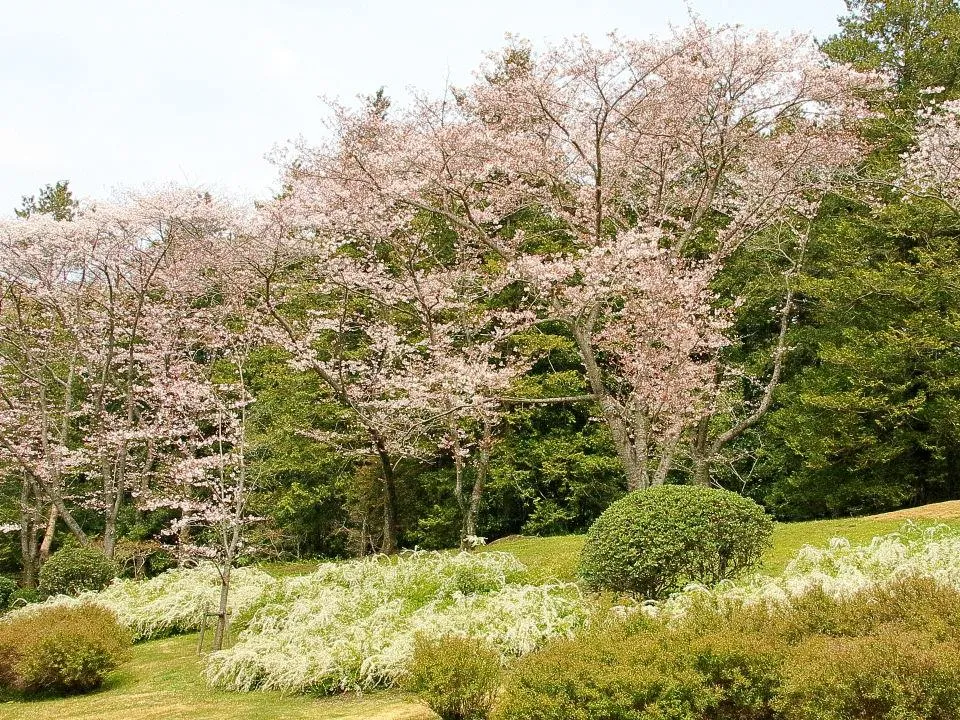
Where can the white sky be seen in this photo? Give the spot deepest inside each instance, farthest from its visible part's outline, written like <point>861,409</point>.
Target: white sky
<point>109,93</point>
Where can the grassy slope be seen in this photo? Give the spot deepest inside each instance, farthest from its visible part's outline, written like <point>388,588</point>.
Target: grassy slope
<point>163,680</point>
<point>555,558</point>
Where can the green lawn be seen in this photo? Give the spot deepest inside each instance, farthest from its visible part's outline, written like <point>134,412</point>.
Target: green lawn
<point>163,681</point>
<point>163,678</point>
<point>555,558</point>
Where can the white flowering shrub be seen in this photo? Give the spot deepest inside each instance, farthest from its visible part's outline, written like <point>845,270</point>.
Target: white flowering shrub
<point>352,625</point>
<point>170,603</point>
<point>839,570</point>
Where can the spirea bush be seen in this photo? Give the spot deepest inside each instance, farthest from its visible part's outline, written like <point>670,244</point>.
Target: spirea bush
<point>654,542</point>
<point>74,570</point>
<point>840,570</point>
<point>457,678</point>
<point>170,603</point>
<point>353,625</point>
<point>59,649</point>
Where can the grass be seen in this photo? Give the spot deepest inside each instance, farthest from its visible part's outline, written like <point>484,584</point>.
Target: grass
<point>555,558</point>
<point>163,681</point>
<point>163,678</point>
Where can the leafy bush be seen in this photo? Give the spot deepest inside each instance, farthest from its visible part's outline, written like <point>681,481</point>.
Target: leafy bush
<point>22,597</point>
<point>645,673</point>
<point>64,650</point>
<point>353,625</point>
<point>887,676</point>
<point>170,603</point>
<point>654,542</point>
<point>7,588</point>
<point>141,558</point>
<point>74,570</point>
<point>457,678</point>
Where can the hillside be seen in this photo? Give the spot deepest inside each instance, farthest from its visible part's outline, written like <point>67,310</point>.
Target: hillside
<point>162,680</point>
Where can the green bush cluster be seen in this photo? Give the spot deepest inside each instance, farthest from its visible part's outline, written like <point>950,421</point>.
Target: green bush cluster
<point>654,542</point>
<point>22,596</point>
<point>7,588</point>
<point>884,654</point>
<point>456,677</point>
<point>60,650</point>
<point>73,570</point>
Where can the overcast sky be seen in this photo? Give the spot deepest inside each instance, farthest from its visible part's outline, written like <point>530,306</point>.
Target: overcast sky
<point>110,93</point>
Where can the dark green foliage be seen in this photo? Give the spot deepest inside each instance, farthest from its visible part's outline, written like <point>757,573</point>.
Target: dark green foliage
<point>7,588</point>
<point>62,650</point>
<point>918,43</point>
<point>71,571</point>
<point>867,419</point>
<point>554,469</point>
<point>457,678</point>
<point>653,542</point>
<point>54,200</point>
<point>21,597</point>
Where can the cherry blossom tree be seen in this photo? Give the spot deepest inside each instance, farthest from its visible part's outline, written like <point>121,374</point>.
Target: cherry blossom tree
<point>646,162</point>
<point>76,390</point>
<point>932,167</point>
<point>208,479</point>
<point>396,326</point>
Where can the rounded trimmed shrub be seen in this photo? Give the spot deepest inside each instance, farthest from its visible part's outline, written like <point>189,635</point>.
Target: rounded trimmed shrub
<point>61,649</point>
<point>73,570</point>
<point>456,677</point>
<point>654,542</point>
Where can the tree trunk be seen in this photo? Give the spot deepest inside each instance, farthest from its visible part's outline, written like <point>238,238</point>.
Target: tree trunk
<point>49,533</point>
<point>634,467</point>
<point>389,546</point>
<point>109,534</point>
<point>222,609</point>
<point>469,528</point>
<point>28,538</point>
<point>472,509</point>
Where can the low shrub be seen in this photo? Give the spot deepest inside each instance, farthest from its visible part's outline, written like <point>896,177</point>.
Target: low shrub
<point>456,677</point>
<point>888,652</point>
<point>891,675</point>
<point>63,650</point>
<point>608,674</point>
<point>74,570</point>
<point>7,588</point>
<point>654,542</point>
